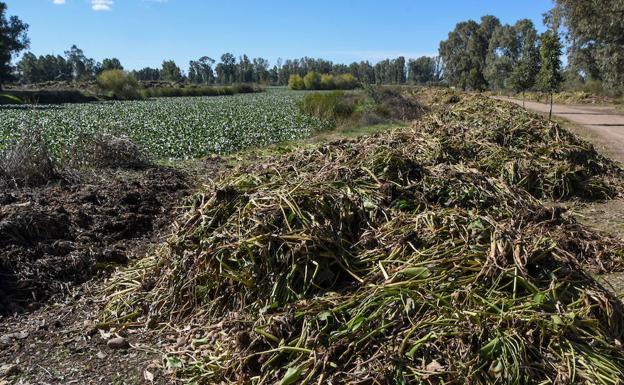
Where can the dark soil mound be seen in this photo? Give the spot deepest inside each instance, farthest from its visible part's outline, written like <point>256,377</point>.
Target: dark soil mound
<point>62,234</point>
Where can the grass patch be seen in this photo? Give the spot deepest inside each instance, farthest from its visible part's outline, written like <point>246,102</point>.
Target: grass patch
<point>376,105</point>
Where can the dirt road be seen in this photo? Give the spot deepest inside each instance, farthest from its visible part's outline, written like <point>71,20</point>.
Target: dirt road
<point>604,125</point>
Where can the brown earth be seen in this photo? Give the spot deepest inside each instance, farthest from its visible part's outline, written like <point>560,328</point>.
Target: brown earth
<point>62,234</point>
<point>58,245</point>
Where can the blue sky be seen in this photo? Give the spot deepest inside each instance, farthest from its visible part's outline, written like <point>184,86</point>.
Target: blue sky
<point>144,32</point>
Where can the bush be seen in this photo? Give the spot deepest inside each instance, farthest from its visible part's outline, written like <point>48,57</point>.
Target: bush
<point>332,106</point>
<point>120,84</point>
<point>345,82</point>
<point>312,81</point>
<point>295,82</point>
<point>169,92</point>
<point>108,151</point>
<point>394,104</point>
<point>327,82</point>
<point>315,81</point>
<point>27,161</point>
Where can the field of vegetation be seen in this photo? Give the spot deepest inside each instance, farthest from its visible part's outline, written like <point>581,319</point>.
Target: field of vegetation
<point>184,127</point>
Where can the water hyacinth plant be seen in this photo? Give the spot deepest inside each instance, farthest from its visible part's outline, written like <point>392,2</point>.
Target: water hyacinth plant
<point>171,127</point>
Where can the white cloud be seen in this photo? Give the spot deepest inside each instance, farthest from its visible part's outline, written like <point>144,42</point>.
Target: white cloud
<point>58,2</point>
<point>102,5</point>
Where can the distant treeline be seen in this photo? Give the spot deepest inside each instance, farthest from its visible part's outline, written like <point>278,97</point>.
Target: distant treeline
<point>74,65</point>
<point>476,55</point>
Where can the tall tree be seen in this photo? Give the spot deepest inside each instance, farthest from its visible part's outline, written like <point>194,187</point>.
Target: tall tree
<point>508,46</point>
<point>226,70</point>
<point>422,70</point>
<point>522,77</point>
<point>111,64</point>
<point>261,70</point>
<point>245,70</point>
<point>595,33</point>
<point>147,74</point>
<point>524,72</point>
<point>200,71</point>
<point>465,52</point>
<point>30,68</point>
<point>13,39</point>
<point>549,77</point>
<point>170,72</point>
<point>76,60</point>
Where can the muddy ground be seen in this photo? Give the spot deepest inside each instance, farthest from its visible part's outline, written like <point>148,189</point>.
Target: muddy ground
<point>59,244</point>
<point>56,236</point>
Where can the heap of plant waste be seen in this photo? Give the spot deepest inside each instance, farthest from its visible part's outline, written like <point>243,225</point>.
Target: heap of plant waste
<point>416,256</point>
<point>521,148</point>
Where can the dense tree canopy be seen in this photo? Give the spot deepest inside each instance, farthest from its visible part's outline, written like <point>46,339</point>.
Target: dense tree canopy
<point>200,71</point>
<point>508,46</point>
<point>111,64</point>
<point>424,70</point>
<point>73,66</point>
<point>13,39</point>
<point>595,34</point>
<point>147,74</point>
<point>464,55</point>
<point>170,72</point>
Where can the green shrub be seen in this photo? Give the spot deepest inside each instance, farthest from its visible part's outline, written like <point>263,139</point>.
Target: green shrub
<point>169,92</point>
<point>295,82</point>
<point>315,81</point>
<point>120,84</point>
<point>327,82</point>
<point>312,81</point>
<point>345,82</point>
<point>334,106</point>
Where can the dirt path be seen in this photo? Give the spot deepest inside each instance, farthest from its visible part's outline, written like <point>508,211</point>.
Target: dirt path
<point>605,125</point>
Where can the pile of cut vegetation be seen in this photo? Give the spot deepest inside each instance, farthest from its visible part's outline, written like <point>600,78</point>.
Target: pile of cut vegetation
<point>417,256</point>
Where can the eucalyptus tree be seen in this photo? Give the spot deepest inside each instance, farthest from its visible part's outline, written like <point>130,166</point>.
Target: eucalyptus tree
<point>595,35</point>
<point>13,39</point>
<point>549,77</point>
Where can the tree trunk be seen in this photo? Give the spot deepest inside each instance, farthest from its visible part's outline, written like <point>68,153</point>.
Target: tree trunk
<point>522,99</point>
<point>551,104</point>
